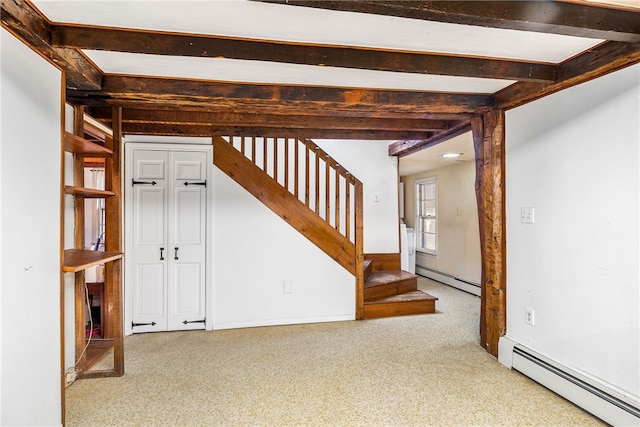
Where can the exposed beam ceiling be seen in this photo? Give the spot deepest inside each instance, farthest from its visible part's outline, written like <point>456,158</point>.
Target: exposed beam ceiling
<point>569,19</point>
<point>23,21</point>
<point>413,72</point>
<point>157,43</point>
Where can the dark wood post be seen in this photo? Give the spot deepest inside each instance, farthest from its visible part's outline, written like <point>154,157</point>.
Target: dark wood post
<point>489,146</point>
<point>78,215</point>
<point>113,243</point>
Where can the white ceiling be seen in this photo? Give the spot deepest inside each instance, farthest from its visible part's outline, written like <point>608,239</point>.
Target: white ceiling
<point>431,158</point>
<point>234,70</point>
<point>263,21</point>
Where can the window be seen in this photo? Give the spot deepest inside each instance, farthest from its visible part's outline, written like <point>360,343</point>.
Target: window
<point>426,215</point>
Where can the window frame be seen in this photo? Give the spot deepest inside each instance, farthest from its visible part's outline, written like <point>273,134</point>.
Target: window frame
<point>418,218</point>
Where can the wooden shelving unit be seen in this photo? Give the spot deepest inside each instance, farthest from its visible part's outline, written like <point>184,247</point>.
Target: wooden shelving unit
<point>80,259</point>
<point>89,193</point>
<point>78,145</point>
<point>91,350</point>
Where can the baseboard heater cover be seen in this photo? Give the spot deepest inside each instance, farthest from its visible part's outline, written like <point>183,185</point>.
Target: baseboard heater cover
<point>448,279</point>
<point>593,396</point>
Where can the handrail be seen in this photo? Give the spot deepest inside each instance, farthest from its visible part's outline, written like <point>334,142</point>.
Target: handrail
<point>319,181</point>
<point>329,195</point>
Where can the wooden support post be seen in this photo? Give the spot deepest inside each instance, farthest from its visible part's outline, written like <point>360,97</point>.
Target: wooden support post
<point>113,242</point>
<point>78,215</point>
<point>78,179</point>
<point>489,145</point>
<point>359,249</point>
<point>80,318</point>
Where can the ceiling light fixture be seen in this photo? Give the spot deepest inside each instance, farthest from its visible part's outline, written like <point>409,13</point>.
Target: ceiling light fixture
<point>451,155</point>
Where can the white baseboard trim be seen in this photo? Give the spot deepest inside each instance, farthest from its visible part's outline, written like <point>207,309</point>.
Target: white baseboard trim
<point>597,397</point>
<point>448,279</point>
<point>281,322</point>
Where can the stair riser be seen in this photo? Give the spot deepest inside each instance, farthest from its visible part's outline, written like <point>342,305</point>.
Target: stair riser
<point>376,311</point>
<point>390,289</point>
<point>368,270</point>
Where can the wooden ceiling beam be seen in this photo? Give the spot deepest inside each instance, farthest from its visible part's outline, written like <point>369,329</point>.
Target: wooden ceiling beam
<point>557,17</point>
<point>405,147</point>
<point>603,59</point>
<point>183,117</point>
<point>96,108</point>
<point>157,43</point>
<point>184,92</point>
<point>204,130</point>
<point>19,18</point>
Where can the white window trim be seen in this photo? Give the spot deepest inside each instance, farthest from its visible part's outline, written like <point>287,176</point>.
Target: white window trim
<point>417,183</point>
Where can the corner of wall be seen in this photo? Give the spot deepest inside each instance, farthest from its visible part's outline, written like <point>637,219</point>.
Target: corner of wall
<point>505,351</point>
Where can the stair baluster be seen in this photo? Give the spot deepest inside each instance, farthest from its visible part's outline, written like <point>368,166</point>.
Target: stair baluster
<point>328,191</point>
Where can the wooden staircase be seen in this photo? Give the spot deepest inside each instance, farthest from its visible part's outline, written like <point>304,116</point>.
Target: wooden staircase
<point>323,201</point>
<point>390,293</point>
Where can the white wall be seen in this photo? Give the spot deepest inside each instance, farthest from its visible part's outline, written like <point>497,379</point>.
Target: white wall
<point>574,157</point>
<point>30,237</point>
<point>370,162</point>
<point>255,251</point>
<point>458,245</point>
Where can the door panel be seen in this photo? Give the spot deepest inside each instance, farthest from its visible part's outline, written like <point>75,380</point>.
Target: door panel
<point>187,300</point>
<point>169,221</point>
<point>189,169</point>
<point>150,241</point>
<point>151,168</point>
<point>188,213</point>
<point>149,208</point>
<point>188,217</point>
<point>149,298</point>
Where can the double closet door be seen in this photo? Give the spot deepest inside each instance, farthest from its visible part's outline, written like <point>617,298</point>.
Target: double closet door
<point>169,240</point>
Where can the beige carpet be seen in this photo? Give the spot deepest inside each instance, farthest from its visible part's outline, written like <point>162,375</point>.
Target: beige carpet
<point>423,370</point>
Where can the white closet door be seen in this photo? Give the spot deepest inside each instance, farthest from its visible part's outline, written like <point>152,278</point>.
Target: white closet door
<point>187,238</point>
<point>150,250</point>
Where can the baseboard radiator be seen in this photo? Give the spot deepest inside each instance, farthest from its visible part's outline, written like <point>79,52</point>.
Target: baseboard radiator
<point>610,405</point>
<point>448,279</point>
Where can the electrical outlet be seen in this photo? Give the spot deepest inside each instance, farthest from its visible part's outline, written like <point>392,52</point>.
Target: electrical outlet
<point>527,215</point>
<point>529,316</point>
<point>287,286</point>
<point>71,377</point>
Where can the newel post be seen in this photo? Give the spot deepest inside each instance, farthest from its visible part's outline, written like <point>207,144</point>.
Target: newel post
<point>489,145</point>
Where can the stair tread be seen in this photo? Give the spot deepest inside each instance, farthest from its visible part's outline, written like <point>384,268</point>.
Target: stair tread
<point>405,297</point>
<point>378,278</point>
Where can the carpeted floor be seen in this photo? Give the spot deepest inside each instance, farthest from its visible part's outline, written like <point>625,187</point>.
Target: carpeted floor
<point>423,370</point>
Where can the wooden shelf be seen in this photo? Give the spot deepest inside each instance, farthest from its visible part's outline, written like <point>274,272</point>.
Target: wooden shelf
<point>81,259</point>
<point>102,357</point>
<point>91,193</point>
<point>78,145</point>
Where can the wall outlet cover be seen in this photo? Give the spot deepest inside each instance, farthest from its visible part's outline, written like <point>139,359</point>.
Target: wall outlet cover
<point>527,215</point>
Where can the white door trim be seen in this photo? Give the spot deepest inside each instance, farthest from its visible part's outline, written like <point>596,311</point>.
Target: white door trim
<point>128,221</point>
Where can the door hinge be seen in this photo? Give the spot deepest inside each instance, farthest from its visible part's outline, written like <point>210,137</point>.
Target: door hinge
<point>133,325</point>
<point>134,182</point>
<point>193,321</point>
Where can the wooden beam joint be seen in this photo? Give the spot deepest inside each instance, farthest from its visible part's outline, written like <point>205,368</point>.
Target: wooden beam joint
<point>23,21</point>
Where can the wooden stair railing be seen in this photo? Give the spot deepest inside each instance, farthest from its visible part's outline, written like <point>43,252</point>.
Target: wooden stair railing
<point>303,185</point>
